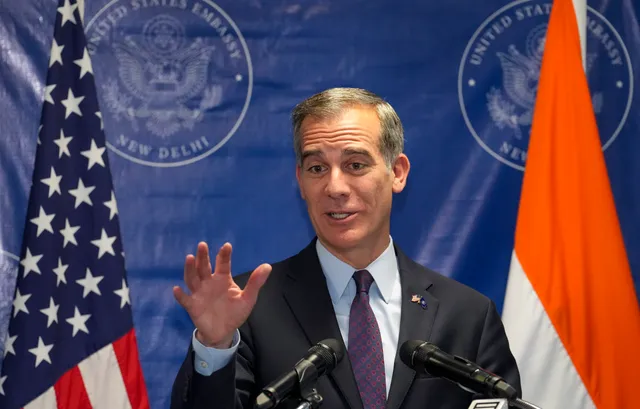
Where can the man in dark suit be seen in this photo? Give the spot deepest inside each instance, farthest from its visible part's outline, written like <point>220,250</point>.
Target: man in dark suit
<point>351,283</point>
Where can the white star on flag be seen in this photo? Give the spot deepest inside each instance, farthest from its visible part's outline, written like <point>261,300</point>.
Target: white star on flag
<point>69,233</point>
<point>112,205</point>
<point>47,95</point>
<point>8,345</point>
<point>2,379</point>
<point>41,352</point>
<point>63,144</point>
<point>72,104</point>
<point>30,263</point>
<point>67,13</point>
<point>78,321</point>
<point>90,283</point>
<point>81,193</point>
<point>53,181</point>
<point>85,64</point>
<point>94,154</point>
<point>104,244</point>
<point>43,221</point>
<point>56,53</point>
<point>123,293</point>
<point>51,312</point>
<point>59,272</point>
<point>20,303</point>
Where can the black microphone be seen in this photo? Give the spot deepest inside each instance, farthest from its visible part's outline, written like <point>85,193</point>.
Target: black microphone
<point>423,356</point>
<point>321,359</point>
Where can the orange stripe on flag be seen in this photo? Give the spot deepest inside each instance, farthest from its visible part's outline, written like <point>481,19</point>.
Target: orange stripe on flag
<point>568,237</point>
<point>126,350</point>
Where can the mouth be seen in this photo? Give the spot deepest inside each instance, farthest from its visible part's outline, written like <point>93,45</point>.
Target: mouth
<point>340,216</point>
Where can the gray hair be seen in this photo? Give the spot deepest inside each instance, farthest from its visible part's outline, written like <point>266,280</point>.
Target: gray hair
<point>331,103</point>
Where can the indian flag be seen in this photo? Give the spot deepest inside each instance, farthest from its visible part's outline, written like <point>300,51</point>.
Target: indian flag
<point>570,312</point>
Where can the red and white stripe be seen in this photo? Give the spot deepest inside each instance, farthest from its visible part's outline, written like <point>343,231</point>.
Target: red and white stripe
<point>111,378</point>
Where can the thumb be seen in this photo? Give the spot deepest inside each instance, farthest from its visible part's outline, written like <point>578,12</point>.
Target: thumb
<point>255,283</point>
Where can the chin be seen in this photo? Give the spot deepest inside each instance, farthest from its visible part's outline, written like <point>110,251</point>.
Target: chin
<point>343,241</point>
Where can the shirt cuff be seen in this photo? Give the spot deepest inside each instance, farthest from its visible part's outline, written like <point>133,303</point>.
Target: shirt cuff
<point>207,360</point>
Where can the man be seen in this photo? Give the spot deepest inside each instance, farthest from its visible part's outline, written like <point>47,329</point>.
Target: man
<point>351,283</point>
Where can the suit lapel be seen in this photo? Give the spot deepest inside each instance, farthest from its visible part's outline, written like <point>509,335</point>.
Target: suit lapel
<point>415,323</point>
<point>308,297</point>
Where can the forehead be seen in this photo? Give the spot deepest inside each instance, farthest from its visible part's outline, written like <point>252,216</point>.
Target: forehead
<point>355,126</point>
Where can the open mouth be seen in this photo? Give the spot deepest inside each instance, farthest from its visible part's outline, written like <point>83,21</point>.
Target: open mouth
<point>340,216</point>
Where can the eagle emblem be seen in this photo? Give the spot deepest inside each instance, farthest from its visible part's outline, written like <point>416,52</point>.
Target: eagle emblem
<point>513,105</point>
<point>165,76</point>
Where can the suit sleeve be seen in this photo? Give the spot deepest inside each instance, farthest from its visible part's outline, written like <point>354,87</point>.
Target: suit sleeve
<point>494,353</point>
<point>232,386</point>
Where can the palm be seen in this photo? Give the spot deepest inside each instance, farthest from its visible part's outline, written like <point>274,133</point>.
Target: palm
<point>216,305</point>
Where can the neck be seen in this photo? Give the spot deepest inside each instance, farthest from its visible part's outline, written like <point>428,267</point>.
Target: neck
<point>361,256</point>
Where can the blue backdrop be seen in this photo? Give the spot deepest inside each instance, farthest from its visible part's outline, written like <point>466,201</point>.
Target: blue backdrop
<point>196,96</point>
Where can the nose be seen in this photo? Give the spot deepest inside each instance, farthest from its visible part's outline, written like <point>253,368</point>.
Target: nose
<point>337,184</point>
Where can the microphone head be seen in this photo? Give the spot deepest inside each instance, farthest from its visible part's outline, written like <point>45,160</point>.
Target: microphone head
<point>263,401</point>
<point>330,351</point>
<point>408,349</point>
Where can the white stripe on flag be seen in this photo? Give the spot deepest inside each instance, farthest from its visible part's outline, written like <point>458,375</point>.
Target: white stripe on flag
<point>45,401</point>
<point>103,380</point>
<point>580,10</point>
<point>549,378</point>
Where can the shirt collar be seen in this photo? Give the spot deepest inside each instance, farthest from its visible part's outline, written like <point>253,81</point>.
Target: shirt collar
<point>384,270</point>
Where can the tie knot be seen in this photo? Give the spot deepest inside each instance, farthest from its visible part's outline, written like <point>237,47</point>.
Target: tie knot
<point>363,280</point>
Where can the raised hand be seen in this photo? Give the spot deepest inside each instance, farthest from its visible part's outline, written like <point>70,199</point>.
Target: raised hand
<point>216,305</point>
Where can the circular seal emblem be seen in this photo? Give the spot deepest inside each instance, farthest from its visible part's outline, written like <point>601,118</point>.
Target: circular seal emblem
<point>498,78</point>
<point>174,78</point>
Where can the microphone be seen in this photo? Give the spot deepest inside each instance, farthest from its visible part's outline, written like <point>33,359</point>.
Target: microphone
<point>423,356</point>
<point>321,359</point>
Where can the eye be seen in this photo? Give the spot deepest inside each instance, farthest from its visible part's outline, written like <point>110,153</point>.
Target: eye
<point>357,166</point>
<point>315,169</point>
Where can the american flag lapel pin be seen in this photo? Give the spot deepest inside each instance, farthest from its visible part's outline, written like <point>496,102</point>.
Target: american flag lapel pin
<point>418,299</point>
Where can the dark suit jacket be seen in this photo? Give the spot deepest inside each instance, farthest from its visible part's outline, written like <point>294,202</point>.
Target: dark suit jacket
<point>294,312</point>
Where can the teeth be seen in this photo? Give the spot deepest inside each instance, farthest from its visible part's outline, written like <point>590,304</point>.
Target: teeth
<point>339,215</point>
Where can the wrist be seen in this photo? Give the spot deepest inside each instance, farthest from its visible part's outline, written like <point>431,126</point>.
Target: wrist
<point>224,343</point>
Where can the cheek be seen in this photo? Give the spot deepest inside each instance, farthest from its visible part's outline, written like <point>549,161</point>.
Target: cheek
<point>379,196</point>
<point>371,194</point>
<point>312,195</point>
<point>308,189</point>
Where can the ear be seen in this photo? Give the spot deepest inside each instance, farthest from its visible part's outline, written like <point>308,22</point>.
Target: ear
<point>400,171</point>
<point>298,178</point>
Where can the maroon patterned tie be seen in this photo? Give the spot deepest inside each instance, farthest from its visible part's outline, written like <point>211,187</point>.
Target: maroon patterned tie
<point>365,346</point>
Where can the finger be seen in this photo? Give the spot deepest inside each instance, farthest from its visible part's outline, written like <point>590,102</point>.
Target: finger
<point>223,260</point>
<point>255,283</point>
<point>191,278</point>
<point>183,299</point>
<point>203,264</point>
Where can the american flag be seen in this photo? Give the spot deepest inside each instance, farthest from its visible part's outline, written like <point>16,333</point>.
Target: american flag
<point>71,341</point>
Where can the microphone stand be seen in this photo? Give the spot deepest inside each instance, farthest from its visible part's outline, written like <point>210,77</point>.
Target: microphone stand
<point>306,393</point>
<point>522,404</point>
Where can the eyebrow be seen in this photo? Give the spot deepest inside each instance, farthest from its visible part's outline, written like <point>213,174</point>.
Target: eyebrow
<point>309,153</point>
<point>346,152</point>
<point>355,151</point>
